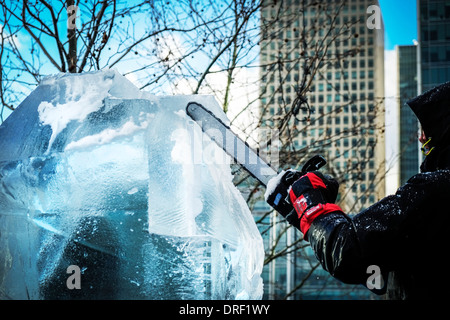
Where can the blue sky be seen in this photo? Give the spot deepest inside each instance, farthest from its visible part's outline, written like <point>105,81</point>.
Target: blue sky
<point>400,22</point>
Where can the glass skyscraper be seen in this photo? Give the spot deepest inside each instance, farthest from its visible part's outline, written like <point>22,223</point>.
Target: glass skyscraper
<point>408,123</point>
<point>434,43</point>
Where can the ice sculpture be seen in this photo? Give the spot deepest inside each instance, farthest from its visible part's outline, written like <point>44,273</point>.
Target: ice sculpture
<point>108,192</point>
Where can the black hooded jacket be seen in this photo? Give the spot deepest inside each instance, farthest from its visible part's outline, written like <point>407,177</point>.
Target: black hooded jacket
<point>405,235</point>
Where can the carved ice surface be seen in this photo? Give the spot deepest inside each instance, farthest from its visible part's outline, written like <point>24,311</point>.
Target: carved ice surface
<point>122,184</point>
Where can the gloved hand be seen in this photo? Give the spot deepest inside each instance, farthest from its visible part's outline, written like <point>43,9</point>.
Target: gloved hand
<point>277,195</point>
<point>313,195</point>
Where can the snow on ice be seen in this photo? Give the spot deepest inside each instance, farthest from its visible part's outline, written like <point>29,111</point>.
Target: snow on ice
<point>97,174</point>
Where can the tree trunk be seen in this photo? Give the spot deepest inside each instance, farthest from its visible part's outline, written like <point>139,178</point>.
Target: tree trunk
<point>71,35</point>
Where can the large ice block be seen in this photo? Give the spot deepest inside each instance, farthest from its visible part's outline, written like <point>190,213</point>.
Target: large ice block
<point>123,186</point>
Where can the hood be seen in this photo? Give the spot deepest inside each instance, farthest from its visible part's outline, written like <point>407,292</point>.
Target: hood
<point>432,108</point>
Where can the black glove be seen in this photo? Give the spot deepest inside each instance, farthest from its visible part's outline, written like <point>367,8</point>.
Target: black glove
<point>277,194</point>
<point>311,196</point>
<point>329,192</point>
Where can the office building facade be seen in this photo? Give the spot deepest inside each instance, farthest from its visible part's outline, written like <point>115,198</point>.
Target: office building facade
<point>335,49</point>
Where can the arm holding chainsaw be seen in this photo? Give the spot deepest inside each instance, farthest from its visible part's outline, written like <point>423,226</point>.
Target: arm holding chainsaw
<point>300,197</point>
<point>344,246</point>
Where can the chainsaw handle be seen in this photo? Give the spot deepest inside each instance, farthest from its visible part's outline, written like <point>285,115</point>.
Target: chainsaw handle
<point>313,164</point>
<point>279,197</point>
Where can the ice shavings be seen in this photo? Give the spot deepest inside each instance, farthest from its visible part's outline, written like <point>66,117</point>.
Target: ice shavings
<point>81,100</point>
<point>108,135</point>
<point>75,99</point>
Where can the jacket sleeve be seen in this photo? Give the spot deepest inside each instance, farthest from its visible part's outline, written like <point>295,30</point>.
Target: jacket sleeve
<point>346,246</point>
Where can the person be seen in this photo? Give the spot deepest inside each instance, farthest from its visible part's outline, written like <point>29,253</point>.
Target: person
<point>403,238</point>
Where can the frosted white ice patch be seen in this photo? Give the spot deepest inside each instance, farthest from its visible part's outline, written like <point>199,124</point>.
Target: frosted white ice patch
<point>76,98</point>
<point>181,152</point>
<point>81,100</point>
<point>185,153</point>
<point>108,135</point>
<point>133,191</point>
